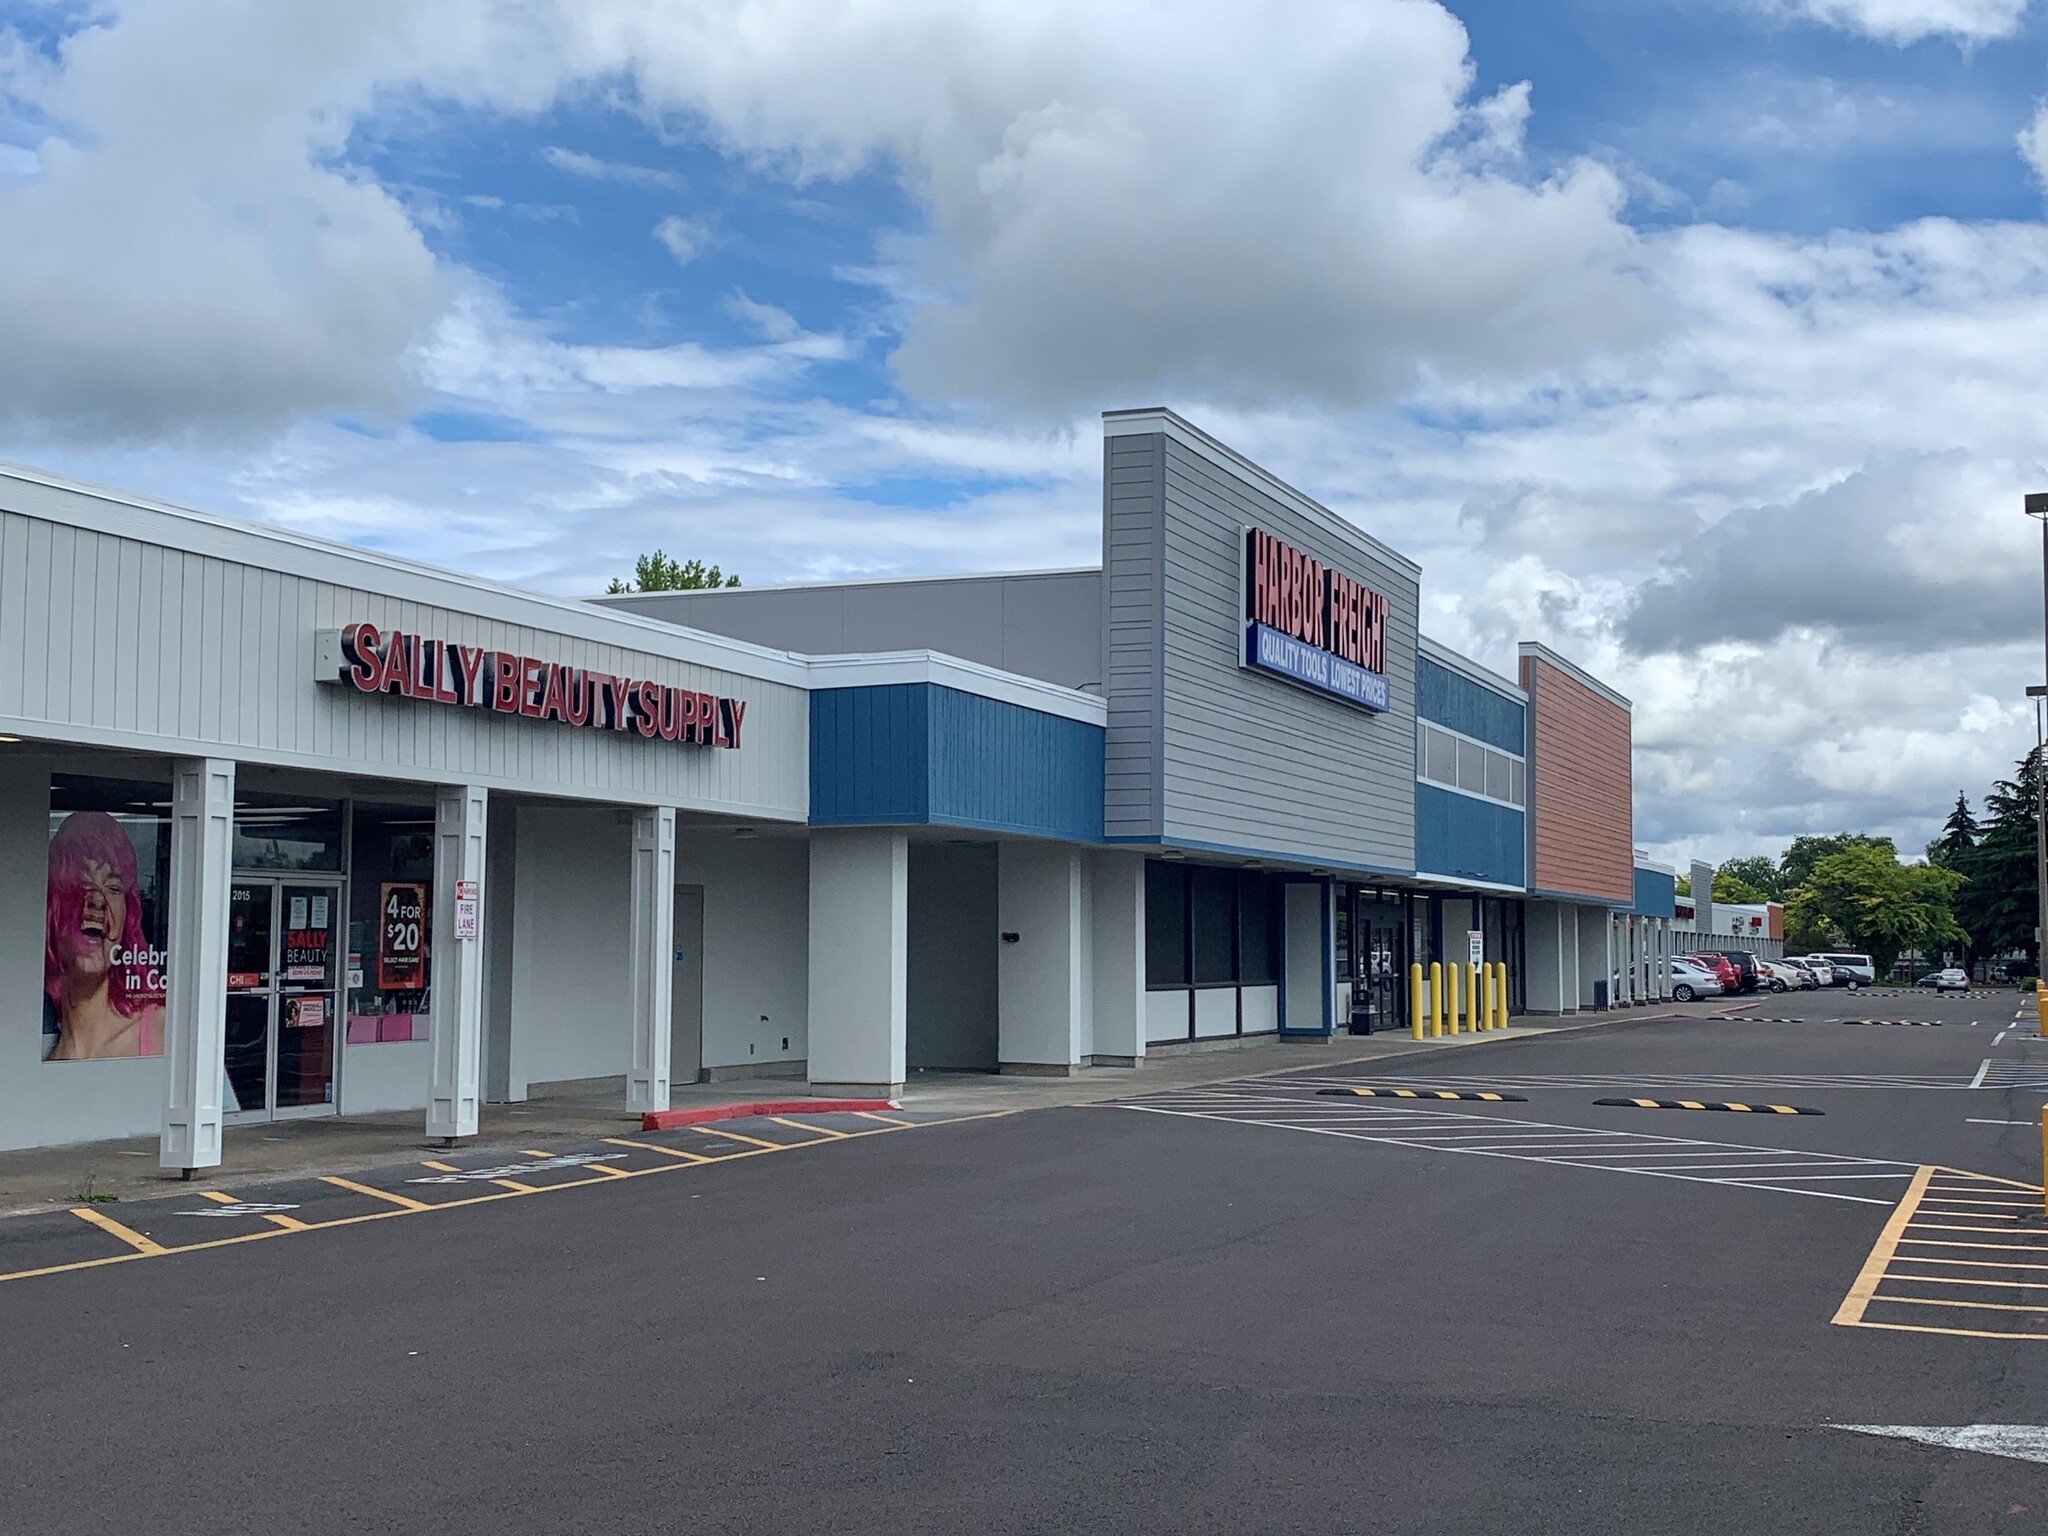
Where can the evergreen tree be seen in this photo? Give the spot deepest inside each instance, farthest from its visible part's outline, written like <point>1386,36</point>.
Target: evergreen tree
<point>1958,838</point>
<point>1998,904</point>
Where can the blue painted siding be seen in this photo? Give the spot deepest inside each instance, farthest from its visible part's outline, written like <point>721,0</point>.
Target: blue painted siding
<point>1461,705</point>
<point>917,754</point>
<point>1655,893</point>
<point>1460,836</point>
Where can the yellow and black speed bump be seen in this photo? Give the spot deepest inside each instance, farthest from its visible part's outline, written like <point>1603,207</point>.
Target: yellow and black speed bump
<point>1739,1109</point>
<point>1915,1023</point>
<point>1420,1093</point>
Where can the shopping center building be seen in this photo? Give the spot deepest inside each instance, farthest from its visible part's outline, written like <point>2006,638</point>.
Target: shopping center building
<point>322,831</point>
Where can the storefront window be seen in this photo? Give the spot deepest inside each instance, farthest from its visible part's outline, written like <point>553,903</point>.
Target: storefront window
<point>1256,950</point>
<point>287,832</point>
<point>1166,925</point>
<point>390,938</point>
<point>106,919</point>
<point>1212,920</point>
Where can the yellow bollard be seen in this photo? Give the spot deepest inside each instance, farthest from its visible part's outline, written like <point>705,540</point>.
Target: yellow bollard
<point>2044,1153</point>
<point>1436,999</point>
<point>1454,1016</point>
<point>1501,974</point>
<point>1492,1019</point>
<point>1475,998</point>
<point>1415,1001</point>
<point>2041,1007</point>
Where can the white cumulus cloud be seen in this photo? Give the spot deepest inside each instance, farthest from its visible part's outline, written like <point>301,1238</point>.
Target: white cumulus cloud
<point>1909,21</point>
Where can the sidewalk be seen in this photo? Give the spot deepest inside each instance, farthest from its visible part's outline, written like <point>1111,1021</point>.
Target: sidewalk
<point>42,1178</point>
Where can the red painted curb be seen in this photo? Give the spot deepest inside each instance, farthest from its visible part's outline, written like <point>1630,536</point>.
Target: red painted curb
<point>669,1119</point>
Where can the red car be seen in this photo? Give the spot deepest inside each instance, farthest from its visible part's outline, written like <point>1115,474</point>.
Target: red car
<point>1723,969</point>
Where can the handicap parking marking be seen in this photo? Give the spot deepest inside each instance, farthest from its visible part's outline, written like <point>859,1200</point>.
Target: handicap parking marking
<point>86,1237</point>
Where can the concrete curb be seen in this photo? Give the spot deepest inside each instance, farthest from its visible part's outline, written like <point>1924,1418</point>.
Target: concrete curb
<point>671,1119</point>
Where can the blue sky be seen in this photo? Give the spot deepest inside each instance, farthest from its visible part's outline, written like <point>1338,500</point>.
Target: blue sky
<point>1604,310</point>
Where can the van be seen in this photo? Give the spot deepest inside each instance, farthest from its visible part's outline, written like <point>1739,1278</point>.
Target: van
<point>1852,970</point>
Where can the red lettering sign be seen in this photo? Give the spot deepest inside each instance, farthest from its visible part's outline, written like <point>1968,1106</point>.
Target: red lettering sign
<point>1308,601</point>
<point>503,682</point>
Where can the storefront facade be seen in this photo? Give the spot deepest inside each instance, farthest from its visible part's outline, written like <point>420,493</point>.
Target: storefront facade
<point>323,831</point>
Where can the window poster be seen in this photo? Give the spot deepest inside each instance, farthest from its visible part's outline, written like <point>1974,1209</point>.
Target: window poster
<point>401,937</point>
<point>106,919</point>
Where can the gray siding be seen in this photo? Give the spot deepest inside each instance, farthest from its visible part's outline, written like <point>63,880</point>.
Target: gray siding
<point>1044,624</point>
<point>1133,548</point>
<point>128,626</point>
<point>1242,759</point>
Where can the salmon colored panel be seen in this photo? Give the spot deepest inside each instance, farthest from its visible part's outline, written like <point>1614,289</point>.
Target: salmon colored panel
<point>1582,787</point>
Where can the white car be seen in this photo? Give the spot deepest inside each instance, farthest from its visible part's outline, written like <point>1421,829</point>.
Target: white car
<point>1823,973</point>
<point>1778,976</point>
<point>1953,979</point>
<point>1689,980</point>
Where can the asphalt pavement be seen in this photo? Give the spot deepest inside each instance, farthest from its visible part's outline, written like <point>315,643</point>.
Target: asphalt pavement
<point>1275,1305</point>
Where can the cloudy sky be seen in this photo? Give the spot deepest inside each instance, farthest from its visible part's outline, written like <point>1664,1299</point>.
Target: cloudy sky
<point>1706,340</point>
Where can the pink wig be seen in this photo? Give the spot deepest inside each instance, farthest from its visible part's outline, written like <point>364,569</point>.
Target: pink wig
<point>93,835</point>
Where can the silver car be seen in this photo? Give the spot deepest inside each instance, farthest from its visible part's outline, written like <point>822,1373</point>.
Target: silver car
<point>1689,980</point>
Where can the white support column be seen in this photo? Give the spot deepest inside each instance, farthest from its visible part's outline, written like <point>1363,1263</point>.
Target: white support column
<point>1043,1000</point>
<point>652,962</point>
<point>460,815</point>
<point>195,1033</point>
<point>1117,912</point>
<point>860,897</point>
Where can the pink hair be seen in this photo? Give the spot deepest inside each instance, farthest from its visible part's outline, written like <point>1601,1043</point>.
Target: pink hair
<point>97,836</point>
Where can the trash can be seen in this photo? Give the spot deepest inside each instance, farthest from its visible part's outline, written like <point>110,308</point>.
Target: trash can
<point>1599,995</point>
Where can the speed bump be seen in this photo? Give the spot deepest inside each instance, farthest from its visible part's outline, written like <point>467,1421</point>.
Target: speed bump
<point>1916,1023</point>
<point>1420,1093</point>
<point>1739,1109</point>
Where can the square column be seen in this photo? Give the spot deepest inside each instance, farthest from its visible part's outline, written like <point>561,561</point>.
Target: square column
<point>1116,910</point>
<point>1043,995</point>
<point>457,1030</point>
<point>860,919</point>
<point>651,976</point>
<point>1594,951</point>
<point>195,1026</point>
<point>1308,956</point>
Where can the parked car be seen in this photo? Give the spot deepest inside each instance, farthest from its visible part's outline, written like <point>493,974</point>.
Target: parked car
<point>1690,979</point>
<point>1952,979</point>
<point>1778,976</point>
<point>1808,977</point>
<point>1852,970</point>
<point>1718,966</point>
<point>1747,977</point>
<point>1823,973</point>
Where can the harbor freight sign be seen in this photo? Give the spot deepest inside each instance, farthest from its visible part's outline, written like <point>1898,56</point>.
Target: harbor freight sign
<point>470,677</point>
<point>1313,625</point>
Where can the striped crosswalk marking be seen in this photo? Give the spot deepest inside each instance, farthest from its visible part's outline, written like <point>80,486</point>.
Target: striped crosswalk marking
<point>1963,1253</point>
<point>1609,1081</point>
<point>1828,1175</point>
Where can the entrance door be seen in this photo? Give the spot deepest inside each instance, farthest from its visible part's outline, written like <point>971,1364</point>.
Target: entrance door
<point>281,1005</point>
<point>686,995</point>
<point>1382,944</point>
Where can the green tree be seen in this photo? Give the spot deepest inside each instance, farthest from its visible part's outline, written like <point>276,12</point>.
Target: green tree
<point>1875,904</point>
<point>658,573</point>
<point>1758,872</point>
<point>1734,890</point>
<point>1958,838</point>
<point>1805,852</point>
<point>1998,905</point>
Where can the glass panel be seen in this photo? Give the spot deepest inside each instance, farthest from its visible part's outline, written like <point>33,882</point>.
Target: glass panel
<point>1443,757</point>
<point>1255,928</point>
<point>305,1018</point>
<point>1517,783</point>
<point>310,921</point>
<point>1166,925</point>
<point>106,918</point>
<point>248,1051</point>
<point>1497,776</point>
<point>1212,919</point>
<point>390,916</point>
<point>1472,767</point>
<point>287,832</point>
<point>249,938</point>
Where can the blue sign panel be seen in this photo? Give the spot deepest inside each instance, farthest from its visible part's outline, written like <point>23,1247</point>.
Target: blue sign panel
<point>1271,651</point>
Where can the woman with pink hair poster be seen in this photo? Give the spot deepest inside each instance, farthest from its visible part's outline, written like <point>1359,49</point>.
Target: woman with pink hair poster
<point>103,980</point>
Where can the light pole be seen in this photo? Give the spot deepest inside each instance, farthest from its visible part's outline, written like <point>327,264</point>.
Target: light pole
<point>2037,508</point>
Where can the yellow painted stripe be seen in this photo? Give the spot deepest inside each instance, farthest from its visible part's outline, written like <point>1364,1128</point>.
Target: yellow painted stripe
<point>514,1184</point>
<point>1739,1106</point>
<point>406,1207</point>
<point>2011,1285</point>
<point>798,1125</point>
<point>275,1218</point>
<point>1954,1333</point>
<point>648,1146</point>
<point>2020,1202</point>
<point>1852,1308</point>
<point>1492,1098</point>
<point>1935,1242</point>
<point>1921,1224</point>
<point>534,1152</point>
<point>869,1114</point>
<point>404,1201</point>
<point>218,1197</point>
<point>1644,1103</point>
<point>1935,1258</point>
<point>772,1146</point>
<point>106,1223</point>
<point>608,1170</point>
<point>440,1167</point>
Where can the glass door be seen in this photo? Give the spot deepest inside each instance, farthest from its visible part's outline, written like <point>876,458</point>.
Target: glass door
<point>282,972</point>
